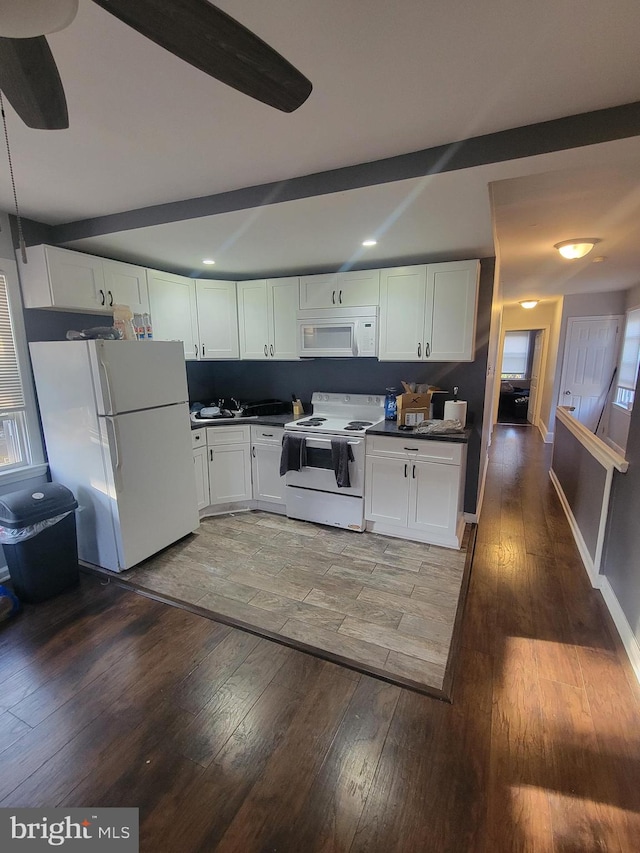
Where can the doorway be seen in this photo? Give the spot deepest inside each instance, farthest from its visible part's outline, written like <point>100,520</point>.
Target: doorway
<point>521,369</point>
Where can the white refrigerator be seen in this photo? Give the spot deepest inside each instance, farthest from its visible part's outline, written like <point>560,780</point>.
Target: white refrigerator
<point>115,417</point>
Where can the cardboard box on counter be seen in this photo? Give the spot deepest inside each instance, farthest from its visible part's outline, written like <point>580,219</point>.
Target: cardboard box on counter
<point>413,408</point>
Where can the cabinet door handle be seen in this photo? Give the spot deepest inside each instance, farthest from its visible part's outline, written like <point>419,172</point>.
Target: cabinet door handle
<point>414,472</point>
<point>405,469</point>
<point>340,297</point>
<point>211,454</point>
<point>203,350</point>
<point>271,350</point>
<point>110,298</point>
<point>412,448</point>
<point>333,297</point>
<point>196,349</point>
<point>419,350</point>
<point>267,435</point>
<point>103,298</point>
<point>265,351</point>
<point>253,452</point>
<point>427,350</point>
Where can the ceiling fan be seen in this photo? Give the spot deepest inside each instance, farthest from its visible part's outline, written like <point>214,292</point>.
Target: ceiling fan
<point>193,30</point>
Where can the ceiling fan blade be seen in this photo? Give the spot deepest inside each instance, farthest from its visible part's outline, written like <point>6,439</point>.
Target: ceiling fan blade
<point>29,78</point>
<point>210,40</point>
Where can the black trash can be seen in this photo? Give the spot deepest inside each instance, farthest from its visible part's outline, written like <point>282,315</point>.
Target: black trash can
<point>41,552</point>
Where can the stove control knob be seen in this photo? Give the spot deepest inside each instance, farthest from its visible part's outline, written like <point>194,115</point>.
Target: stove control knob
<point>326,397</point>
<point>346,398</point>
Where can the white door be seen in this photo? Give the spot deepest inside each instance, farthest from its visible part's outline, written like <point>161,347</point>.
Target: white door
<point>359,287</point>
<point>450,324</point>
<point>386,498</point>
<point>172,299</point>
<point>402,307</point>
<point>126,284</point>
<point>283,296</point>
<point>534,385</point>
<point>268,485</point>
<point>133,375</point>
<point>433,503</point>
<point>253,320</point>
<point>217,319</point>
<point>201,473</point>
<point>229,473</point>
<point>319,291</point>
<point>589,359</point>
<point>77,280</point>
<point>150,480</point>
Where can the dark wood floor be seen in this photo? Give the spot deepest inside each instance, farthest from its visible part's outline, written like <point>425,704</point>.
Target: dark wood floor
<point>229,742</point>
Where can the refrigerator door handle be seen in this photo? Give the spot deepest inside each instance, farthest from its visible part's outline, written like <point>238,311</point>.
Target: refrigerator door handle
<point>112,431</point>
<point>107,384</point>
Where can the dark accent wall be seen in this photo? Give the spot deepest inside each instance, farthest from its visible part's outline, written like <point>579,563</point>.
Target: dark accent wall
<point>45,325</point>
<point>258,380</point>
<point>582,479</point>
<point>621,559</point>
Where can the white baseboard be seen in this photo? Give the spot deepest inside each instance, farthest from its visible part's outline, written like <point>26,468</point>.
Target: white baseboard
<point>629,639</point>
<point>587,559</point>
<point>547,436</point>
<point>471,517</point>
<point>4,574</point>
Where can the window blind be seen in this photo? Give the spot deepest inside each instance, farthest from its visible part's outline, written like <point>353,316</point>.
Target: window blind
<point>630,352</point>
<point>11,394</point>
<point>515,355</point>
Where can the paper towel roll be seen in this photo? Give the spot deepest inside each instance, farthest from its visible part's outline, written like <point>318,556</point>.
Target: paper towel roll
<point>455,410</point>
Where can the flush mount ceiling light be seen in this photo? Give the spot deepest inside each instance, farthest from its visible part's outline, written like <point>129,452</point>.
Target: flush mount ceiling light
<point>529,303</point>
<point>576,248</point>
<point>369,242</point>
<point>208,261</point>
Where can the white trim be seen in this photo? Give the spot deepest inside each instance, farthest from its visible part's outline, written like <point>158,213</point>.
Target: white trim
<point>474,517</point>
<point>543,429</point>
<point>471,517</point>
<point>587,561</point>
<point>28,472</point>
<point>4,574</point>
<point>596,446</point>
<point>629,639</point>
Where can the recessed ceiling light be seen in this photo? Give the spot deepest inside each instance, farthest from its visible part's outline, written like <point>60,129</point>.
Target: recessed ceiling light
<point>208,261</point>
<point>369,242</point>
<point>529,303</point>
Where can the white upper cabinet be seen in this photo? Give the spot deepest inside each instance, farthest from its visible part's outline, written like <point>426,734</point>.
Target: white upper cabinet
<point>62,279</point>
<point>126,284</point>
<point>428,312</point>
<point>453,289</point>
<point>267,318</point>
<point>217,319</point>
<point>350,289</point>
<point>172,300</point>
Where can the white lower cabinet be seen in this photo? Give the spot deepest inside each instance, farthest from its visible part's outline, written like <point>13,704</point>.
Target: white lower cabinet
<point>415,489</point>
<point>200,466</point>
<point>266,449</point>
<point>229,452</point>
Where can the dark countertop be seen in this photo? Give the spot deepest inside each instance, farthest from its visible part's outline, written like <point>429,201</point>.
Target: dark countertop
<point>265,420</point>
<point>390,428</point>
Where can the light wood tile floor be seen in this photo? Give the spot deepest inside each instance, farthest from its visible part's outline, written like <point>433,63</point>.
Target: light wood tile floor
<point>383,606</point>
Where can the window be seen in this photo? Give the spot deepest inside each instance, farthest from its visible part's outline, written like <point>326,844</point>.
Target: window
<point>14,448</point>
<point>515,355</point>
<point>629,360</point>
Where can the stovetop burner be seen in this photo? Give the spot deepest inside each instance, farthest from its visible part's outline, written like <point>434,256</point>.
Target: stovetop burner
<point>358,424</point>
<point>312,422</point>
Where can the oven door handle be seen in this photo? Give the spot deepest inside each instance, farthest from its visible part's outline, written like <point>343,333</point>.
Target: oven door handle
<point>322,440</point>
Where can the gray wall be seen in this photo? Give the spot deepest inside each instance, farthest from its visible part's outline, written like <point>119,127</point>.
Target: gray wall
<point>621,560</point>
<point>582,479</point>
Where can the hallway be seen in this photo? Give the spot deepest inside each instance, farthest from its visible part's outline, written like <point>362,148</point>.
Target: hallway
<point>229,742</point>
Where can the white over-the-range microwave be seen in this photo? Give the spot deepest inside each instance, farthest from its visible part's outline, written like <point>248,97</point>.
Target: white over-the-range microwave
<point>338,332</point>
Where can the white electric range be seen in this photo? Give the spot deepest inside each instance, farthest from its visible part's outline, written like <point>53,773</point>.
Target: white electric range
<point>312,493</point>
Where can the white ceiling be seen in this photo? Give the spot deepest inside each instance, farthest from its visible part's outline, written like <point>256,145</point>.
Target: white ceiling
<point>146,129</point>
